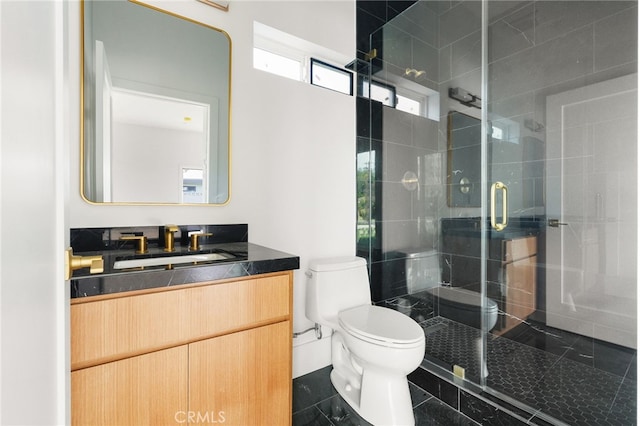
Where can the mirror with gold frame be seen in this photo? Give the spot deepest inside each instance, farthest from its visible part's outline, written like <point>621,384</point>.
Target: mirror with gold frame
<point>156,94</point>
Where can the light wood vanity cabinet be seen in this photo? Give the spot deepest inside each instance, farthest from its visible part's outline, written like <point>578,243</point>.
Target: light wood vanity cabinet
<point>148,389</point>
<point>519,278</point>
<point>217,352</point>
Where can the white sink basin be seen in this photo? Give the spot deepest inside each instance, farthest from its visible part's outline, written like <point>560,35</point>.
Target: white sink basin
<point>170,260</point>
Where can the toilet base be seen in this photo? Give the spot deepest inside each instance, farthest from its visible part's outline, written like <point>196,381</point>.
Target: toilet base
<point>381,400</point>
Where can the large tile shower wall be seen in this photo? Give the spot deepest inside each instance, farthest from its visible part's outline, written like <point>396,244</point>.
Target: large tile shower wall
<point>394,217</point>
<point>536,49</point>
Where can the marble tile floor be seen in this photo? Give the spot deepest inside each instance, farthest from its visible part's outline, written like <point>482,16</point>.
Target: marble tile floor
<point>559,375</point>
<point>317,403</point>
<point>571,378</point>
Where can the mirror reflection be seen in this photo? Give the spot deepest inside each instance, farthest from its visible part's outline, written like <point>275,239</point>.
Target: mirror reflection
<point>156,95</point>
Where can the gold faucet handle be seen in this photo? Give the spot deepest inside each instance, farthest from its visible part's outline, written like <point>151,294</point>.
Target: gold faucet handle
<point>72,263</point>
<point>171,228</point>
<point>142,242</point>
<point>195,239</point>
<point>169,240</point>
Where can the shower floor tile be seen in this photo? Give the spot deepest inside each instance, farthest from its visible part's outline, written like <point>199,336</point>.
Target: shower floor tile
<point>549,381</point>
<point>575,394</point>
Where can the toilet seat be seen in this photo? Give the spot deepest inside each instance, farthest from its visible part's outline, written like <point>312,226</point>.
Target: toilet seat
<point>381,326</point>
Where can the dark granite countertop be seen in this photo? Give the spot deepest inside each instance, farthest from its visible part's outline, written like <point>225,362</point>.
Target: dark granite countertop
<point>492,234</point>
<point>249,259</point>
<point>470,227</point>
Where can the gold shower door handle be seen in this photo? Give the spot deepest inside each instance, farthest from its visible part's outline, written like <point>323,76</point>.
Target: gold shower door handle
<point>494,188</point>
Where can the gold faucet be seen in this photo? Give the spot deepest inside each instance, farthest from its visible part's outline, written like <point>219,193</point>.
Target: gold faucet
<point>195,242</point>
<point>142,242</point>
<point>169,238</point>
<point>71,263</point>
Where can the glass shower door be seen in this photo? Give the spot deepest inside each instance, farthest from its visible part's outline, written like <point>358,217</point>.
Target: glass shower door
<point>561,113</point>
<point>500,161</point>
<point>426,183</point>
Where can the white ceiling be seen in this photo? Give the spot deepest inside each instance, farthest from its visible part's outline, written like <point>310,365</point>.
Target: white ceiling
<point>155,111</point>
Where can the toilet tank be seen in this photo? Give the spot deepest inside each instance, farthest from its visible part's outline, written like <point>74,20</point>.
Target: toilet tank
<point>336,284</point>
<point>422,270</point>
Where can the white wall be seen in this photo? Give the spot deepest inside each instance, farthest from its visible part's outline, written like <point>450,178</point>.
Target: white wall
<point>292,150</point>
<point>34,364</point>
<point>165,152</point>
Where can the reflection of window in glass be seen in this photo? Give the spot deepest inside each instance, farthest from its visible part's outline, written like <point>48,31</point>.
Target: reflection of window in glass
<point>366,167</point>
<point>424,103</point>
<point>377,91</point>
<point>277,64</point>
<point>497,133</point>
<point>409,105</point>
<point>193,189</point>
<point>330,77</point>
<point>503,129</point>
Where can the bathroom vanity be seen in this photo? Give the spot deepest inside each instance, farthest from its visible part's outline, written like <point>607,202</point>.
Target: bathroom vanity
<point>203,343</point>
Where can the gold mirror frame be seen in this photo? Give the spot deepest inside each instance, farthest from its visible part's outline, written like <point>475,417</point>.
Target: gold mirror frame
<point>84,117</point>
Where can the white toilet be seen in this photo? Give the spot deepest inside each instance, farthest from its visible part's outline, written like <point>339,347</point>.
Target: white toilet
<point>372,348</point>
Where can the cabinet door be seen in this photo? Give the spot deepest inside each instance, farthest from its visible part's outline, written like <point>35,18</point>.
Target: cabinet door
<point>243,378</point>
<point>519,248</point>
<point>148,389</point>
<point>521,290</point>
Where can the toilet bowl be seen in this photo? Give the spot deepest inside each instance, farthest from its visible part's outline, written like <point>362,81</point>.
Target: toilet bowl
<point>465,306</point>
<point>422,270</point>
<point>372,348</point>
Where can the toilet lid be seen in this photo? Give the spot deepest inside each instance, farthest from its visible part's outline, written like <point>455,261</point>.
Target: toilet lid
<point>381,325</point>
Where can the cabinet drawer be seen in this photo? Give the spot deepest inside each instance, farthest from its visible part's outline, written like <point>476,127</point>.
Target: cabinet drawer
<point>106,330</point>
<point>519,248</point>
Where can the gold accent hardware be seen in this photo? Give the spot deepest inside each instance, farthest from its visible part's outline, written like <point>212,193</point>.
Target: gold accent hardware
<point>499,186</point>
<point>554,223</point>
<point>169,238</point>
<point>373,53</point>
<point>72,263</point>
<point>465,185</point>
<point>195,242</point>
<point>458,371</point>
<point>142,242</point>
<point>223,7</point>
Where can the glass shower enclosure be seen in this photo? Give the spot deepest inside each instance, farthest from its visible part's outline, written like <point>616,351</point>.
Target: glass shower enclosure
<point>497,196</point>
